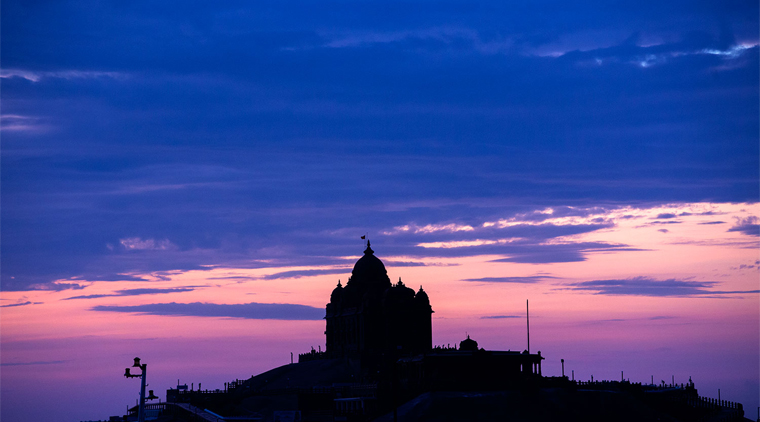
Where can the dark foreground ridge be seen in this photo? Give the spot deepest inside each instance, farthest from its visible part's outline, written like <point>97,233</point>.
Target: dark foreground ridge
<point>379,365</point>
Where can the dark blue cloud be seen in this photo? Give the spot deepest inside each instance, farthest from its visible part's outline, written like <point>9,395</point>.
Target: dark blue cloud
<point>501,316</point>
<point>305,273</point>
<point>54,286</point>
<point>135,292</point>
<point>567,252</point>
<point>392,263</point>
<point>749,226</point>
<point>645,286</point>
<point>527,279</point>
<point>141,138</point>
<point>253,310</point>
<point>615,320</point>
<point>11,305</point>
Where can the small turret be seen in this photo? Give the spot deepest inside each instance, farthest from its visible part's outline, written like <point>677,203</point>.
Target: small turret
<point>336,294</point>
<point>422,297</point>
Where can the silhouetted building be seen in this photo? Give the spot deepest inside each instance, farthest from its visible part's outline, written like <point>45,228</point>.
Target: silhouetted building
<point>370,317</point>
<point>468,344</point>
<point>379,362</point>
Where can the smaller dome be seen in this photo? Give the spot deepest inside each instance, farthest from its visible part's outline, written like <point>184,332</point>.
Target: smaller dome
<point>336,294</point>
<point>468,344</point>
<point>422,297</point>
<point>422,301</point>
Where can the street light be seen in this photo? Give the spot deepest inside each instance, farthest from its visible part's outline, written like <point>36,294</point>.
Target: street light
<point>144,370</point>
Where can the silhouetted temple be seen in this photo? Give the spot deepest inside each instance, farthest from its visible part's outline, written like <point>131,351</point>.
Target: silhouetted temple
<point>379,365</point>
<point>376,325</point>
<point>370,317</point>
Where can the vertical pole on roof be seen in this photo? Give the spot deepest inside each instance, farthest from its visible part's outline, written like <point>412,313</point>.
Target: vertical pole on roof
<point>527,313</point>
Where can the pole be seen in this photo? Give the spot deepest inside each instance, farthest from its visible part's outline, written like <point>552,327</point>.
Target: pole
<point>141,415</point>
<point>527,314</point>
<point>573,374</point>
<point>563,367</point>
<point>719,395</point>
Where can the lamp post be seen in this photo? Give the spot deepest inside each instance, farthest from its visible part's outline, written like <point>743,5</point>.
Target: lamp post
<point>143,371</point>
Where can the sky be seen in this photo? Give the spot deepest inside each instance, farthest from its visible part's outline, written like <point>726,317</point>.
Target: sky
<point>186,182</point>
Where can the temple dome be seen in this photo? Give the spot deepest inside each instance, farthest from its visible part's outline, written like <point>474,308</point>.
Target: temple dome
<point>368,281</point>
<point>369,268</point>
<point>468,344</point>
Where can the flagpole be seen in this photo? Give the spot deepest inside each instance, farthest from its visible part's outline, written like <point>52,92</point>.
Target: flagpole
<point>527,313</point>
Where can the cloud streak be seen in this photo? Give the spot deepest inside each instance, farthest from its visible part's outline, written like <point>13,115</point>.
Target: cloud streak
<point>37,76</point>
<point>253,310</point>
<point>561,252</point>
<point>645,286</point>
<point>12,305</point>
<point>134,292</point>
<point>501,316</point>
<point>56,286</point>
<point>749,226</point>
<point>306,273</point>
<point>41,362</point>
<point>519,280</point>
<point>138,244</point>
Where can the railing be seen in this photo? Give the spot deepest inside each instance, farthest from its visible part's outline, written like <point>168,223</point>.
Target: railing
<point>313,355</point>
<point>642,386</point>
<point>685,394</point>
<point>160,407</point>
<point>729,409</point>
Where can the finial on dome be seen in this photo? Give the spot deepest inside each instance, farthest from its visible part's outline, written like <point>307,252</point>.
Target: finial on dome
<point>400,283</point>
<point>368,250</point>
<point>339,283</point>
<point>420,287</point>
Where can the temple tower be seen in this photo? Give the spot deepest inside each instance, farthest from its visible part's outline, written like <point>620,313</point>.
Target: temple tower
<point>370,317</point>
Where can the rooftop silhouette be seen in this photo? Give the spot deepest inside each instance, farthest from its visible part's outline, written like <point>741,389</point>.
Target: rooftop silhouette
<point>379,364</point>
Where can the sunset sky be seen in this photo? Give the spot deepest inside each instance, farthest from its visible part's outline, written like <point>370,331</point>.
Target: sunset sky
<point>187,182</point>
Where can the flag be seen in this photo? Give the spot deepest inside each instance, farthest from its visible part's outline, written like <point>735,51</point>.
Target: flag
<point>364,237</point>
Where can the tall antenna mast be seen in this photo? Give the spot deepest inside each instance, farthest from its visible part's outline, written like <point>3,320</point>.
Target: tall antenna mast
<point>527,312</point>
